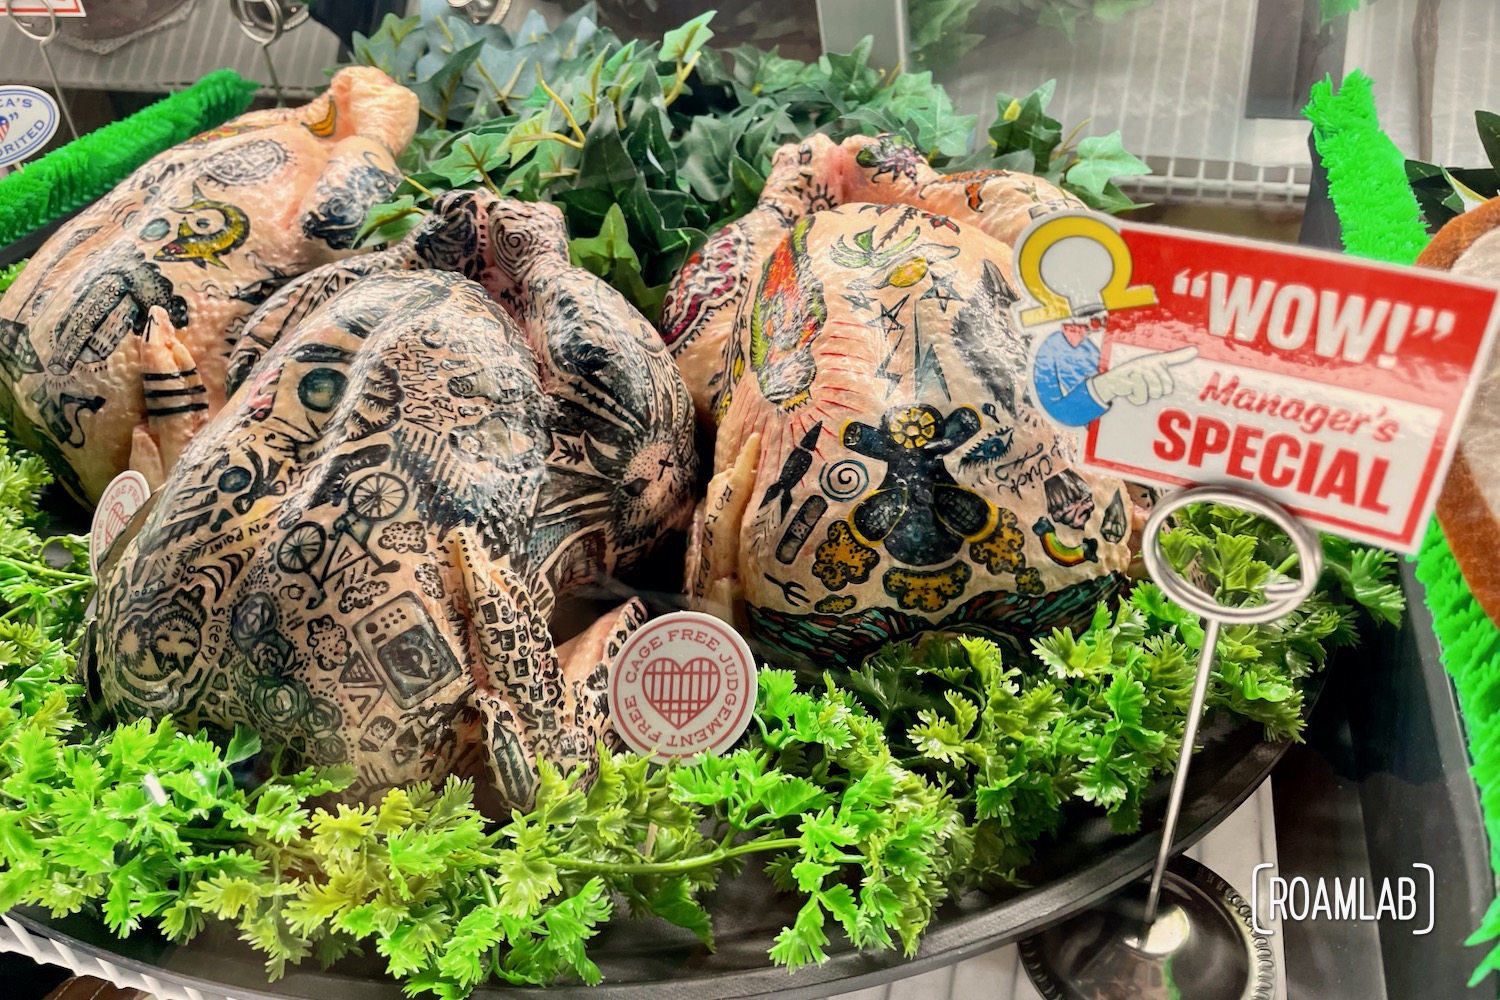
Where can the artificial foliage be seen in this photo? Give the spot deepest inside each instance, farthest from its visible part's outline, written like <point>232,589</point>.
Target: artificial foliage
<point>939,767</point>
<point>1366,181</point>
<point>68,178</point>
<point>9,273</point>
<point>647,147</point>
<point>1445,192</point>
<point>1025,138</point>
<point>1331,10</point>
<point>1471,654</point>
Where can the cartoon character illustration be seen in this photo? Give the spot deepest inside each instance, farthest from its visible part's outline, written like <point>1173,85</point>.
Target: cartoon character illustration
<point>1073,390</point>
<point>1077,268</point>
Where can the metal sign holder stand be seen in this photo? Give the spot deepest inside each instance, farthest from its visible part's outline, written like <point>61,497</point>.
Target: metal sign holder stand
<point>43,40</point>
<point>1201,944</point>
<point>264,30</point>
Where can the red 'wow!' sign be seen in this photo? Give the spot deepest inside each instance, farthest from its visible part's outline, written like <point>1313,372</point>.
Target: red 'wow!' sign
<point>1332,385</point>
<point>43,8</point>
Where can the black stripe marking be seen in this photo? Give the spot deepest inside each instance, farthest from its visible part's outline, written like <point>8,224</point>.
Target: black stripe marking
<point>169,411</point>
<point>163,377</point>
<point>192,390</point>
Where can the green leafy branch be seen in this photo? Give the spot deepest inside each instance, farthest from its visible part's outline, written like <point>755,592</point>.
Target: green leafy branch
<point>648,147</point>
<point>1025,138</point>
<point>944,31</point>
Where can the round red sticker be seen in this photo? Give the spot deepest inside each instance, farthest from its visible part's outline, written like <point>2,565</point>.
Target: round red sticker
<point>121,499</point>
<point>683,685</point>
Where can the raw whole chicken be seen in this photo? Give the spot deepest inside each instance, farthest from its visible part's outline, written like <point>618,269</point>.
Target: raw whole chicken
<point>114,339</point>
<point>879,467</point>
<point>361,555</point>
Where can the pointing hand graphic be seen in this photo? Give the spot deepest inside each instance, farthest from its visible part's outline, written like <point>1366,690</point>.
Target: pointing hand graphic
<point>1142,379</point>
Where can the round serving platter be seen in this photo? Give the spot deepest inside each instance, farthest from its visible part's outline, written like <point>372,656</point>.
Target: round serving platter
<point>651,960</point>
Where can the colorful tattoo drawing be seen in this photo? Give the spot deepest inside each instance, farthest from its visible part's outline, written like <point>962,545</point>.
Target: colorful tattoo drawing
<point>842,559</point>
<point>816,641</point>
<point>201,239</point>
<point>1059,551</point>
<point>928,591</point>
<point>919,511</point>
<point>787,316</point>
<point>1002,550</point>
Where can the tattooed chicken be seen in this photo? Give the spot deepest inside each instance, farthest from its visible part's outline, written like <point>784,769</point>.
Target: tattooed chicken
<point>114,340</point>
<point>879,466</point>
<point>361,555</point>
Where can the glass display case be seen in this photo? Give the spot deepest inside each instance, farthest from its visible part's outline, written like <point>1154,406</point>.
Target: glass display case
<point>1188,114</point>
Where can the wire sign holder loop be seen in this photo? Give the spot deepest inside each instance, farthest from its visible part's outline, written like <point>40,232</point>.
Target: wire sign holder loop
<point>1159,951</point>
<point>43,40</point>
<point>480,12</point>
<point>1281,597</point>
<point>265,21</point>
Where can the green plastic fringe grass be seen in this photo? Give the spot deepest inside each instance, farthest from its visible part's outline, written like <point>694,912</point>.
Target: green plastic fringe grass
<point>1381,221</point>
<point>80,172</point>
<point>1367,182</point>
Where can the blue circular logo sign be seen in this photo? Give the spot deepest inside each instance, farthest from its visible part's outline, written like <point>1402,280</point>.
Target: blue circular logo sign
<point>28,120</point>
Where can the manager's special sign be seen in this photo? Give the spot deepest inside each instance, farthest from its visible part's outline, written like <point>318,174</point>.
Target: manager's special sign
<point>1332,385</point>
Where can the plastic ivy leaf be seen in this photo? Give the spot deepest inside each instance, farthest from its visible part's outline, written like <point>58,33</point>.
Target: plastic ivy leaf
<point>1101,159</point>
<point>681,45</point>
<point>1064,19</point>
<point>438,93</point>
<point>471,159</point>
<point>391,221</point>
<point>938,38</point>
<point>1024,124</point>
<point>601,254</point>
<point>394,48</point>
<point>1110,11</point>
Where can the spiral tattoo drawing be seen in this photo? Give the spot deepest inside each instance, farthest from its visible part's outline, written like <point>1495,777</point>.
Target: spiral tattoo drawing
<point>845,480</point>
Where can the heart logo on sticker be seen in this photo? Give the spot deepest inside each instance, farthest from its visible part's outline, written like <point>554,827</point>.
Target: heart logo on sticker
<point>125,494</point>
<point>681,691</point>
<point>683,684</point>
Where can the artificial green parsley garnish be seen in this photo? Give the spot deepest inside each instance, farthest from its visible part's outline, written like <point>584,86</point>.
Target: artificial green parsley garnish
<point>9,273</point>
<point>940,766</point>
